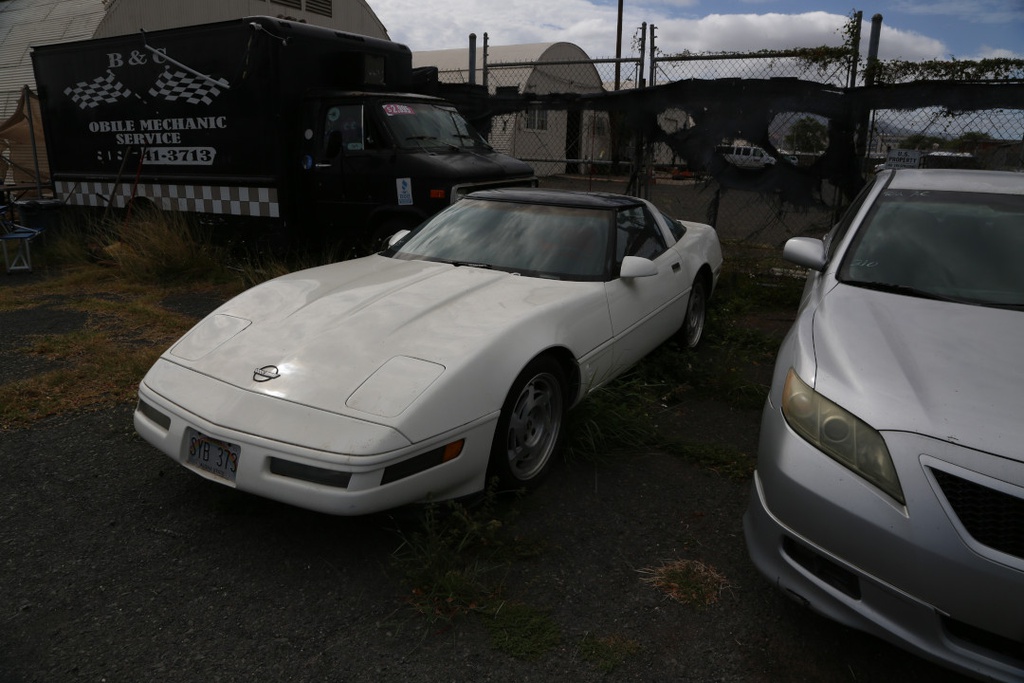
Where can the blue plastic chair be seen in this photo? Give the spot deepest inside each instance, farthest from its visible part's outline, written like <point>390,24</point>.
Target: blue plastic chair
<point>16,256</point>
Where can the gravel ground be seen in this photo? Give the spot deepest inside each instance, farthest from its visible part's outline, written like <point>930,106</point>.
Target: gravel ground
<point>117,565</point>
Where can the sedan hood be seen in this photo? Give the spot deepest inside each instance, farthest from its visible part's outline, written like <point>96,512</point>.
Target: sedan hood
<point>950,371</point>
<point>368,337</point>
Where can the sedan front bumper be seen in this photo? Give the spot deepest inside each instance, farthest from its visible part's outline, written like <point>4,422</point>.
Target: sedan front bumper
<point>909,574</point>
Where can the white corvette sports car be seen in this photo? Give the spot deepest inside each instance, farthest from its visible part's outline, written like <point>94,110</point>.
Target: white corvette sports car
<point>450,357</point>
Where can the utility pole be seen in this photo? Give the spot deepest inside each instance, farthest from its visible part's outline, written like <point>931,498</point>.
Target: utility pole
<point>618,48</point>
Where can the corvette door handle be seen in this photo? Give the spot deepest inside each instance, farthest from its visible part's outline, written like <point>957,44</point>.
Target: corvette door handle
<point>676,267</point>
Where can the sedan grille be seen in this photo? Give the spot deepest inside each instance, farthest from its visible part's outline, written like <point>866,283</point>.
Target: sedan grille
<point>993,518</point>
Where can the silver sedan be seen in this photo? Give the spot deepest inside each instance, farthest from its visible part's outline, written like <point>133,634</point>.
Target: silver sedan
<point>889,492</point>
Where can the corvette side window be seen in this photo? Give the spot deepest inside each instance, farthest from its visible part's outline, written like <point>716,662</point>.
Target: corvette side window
<point>637,235</point>
<point>677,228</point>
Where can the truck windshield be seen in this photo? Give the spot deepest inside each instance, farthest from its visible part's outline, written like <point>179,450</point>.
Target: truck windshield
<point>424,125</point>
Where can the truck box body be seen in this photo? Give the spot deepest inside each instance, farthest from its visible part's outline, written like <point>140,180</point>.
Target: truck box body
<point>315,130</point>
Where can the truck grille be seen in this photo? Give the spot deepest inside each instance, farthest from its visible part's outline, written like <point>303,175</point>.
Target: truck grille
<point>993,518</point>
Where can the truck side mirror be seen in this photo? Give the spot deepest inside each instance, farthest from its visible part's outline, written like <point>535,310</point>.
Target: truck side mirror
<point>333,144</point>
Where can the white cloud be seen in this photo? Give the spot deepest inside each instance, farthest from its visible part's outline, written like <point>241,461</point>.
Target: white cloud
<point>591,25</point>
<point>987,52</point>
<point>750,32</point>
<point>894,43</point>
<point>509,22</point>
<point>971,11</point>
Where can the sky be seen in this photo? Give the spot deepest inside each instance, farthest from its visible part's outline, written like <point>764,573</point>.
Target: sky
<point>913,30</point>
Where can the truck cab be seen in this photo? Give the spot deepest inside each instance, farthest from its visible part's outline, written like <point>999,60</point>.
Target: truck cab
<point>388,161</point>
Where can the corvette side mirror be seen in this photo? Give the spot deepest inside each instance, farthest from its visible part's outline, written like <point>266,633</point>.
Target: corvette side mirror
<point>634,266</point>
<point>397,237</point>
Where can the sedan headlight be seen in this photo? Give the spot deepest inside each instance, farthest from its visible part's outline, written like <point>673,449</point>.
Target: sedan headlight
<point>839,434</point>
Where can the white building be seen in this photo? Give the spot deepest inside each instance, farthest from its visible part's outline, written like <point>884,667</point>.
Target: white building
<point>553,141</point>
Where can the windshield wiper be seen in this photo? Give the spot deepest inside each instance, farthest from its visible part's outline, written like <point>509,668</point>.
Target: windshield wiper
<point>471,264</point>
<point>906,290</point>
<point>433,138</point>
<point>474,141</point>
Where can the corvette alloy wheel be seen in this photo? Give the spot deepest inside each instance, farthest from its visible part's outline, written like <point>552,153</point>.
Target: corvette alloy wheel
<point>531,424</point>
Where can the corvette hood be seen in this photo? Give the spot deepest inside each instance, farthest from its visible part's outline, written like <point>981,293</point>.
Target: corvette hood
<point>951,371</point>
<point>368,337</point>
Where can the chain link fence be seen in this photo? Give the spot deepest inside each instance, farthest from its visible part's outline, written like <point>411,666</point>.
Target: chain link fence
<point>576,140</point>
<point>742,214</point>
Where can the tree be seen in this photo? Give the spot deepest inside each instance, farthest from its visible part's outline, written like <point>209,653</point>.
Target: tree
<point>922,141</point>
<point>807,135</point>
<point>970,140</point>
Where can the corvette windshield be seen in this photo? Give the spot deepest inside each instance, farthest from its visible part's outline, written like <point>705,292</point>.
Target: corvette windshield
<point>956,246</point>
<point>560,242</point>
<point>424,125</point>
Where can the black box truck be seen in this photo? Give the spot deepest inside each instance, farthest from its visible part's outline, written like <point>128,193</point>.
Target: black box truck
<point>316,132</point>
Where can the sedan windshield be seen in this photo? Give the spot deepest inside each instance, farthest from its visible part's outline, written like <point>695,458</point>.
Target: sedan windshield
<point>424,125</point>
<point>957,246</point>
<point>565,243</point>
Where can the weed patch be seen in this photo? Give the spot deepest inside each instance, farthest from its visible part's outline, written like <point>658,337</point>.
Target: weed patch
<point>95,370</point>
<point>454,557</point>
<point>160,246</point>
<point>690,582</point>
<point>116,274</point>
<point>617,416</point>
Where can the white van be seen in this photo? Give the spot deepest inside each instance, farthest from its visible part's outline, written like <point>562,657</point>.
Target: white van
<point>746,156</point>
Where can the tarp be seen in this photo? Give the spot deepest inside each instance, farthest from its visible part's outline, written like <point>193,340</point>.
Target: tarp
<point>22,146</point>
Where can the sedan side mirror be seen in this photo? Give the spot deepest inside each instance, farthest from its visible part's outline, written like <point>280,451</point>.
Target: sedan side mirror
<point>634,266</point>
<point>805,251</point>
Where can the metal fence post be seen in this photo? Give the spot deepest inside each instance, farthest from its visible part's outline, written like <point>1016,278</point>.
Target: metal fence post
<point>32,132</point>
<point>867,123</point>
<point>483,67</point>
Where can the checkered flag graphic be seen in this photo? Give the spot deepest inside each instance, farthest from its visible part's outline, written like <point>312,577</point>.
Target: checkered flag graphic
<point>179,85</point>
<point>102,90</point>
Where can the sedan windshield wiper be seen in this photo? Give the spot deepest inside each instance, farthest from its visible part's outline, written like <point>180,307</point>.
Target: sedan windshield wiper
<point>905,290</point>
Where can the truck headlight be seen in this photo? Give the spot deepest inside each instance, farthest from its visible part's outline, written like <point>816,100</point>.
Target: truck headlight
<point>839,434</point>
